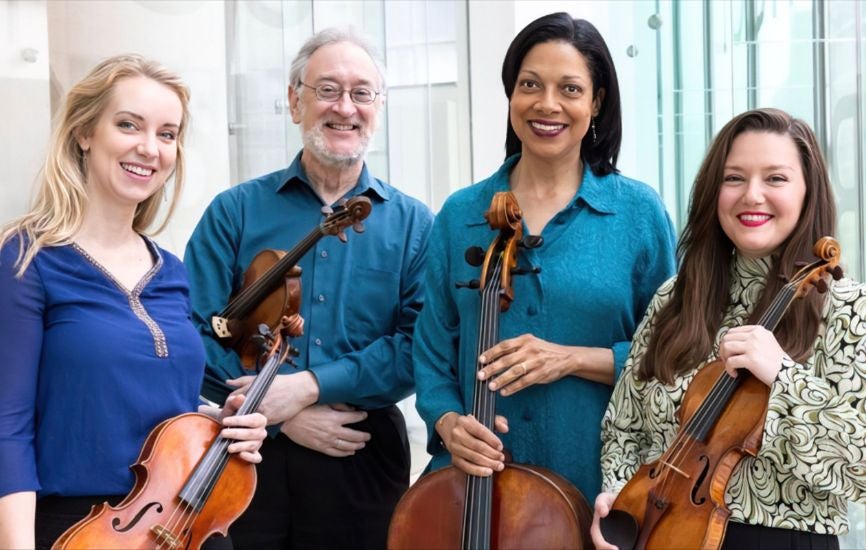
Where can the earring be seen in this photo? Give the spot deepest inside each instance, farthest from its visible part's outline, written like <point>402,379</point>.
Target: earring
<point>594,136</point>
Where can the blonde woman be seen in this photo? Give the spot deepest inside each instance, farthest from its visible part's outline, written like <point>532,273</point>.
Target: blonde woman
<point>95,339</point>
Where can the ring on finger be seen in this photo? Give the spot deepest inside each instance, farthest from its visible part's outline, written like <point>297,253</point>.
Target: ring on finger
<point>523,367</point>
<point>338,444</point>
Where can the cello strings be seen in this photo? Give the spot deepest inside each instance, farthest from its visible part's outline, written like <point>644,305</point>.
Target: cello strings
<point>477,501</point>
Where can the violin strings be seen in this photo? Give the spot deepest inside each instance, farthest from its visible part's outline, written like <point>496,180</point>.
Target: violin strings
<point>720,393</point>
<point>250,297</point>
<point>207,474</point>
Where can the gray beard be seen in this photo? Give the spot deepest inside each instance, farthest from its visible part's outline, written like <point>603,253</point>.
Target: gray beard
<point>314,141</point>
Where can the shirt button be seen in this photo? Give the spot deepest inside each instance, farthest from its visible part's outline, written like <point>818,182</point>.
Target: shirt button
<point>318,341</point>
<point>324,253</point>
<point>321,297</point>
<point>532,310</point>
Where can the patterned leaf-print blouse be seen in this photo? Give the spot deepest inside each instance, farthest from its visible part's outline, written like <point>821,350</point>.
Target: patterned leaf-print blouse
<point>811,460</point>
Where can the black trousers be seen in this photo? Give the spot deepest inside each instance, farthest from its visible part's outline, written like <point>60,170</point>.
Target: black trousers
<point>54,515</point>
<point>740,536</point>
<point>305,499</point>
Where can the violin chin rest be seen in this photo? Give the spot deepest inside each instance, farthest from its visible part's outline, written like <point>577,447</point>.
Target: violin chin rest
<point>620,529</point>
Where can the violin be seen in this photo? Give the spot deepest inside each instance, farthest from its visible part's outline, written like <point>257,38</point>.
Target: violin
<point>187,485</point>
<point>678,501</point>
<point>271,287</point>
<point>523,506</point>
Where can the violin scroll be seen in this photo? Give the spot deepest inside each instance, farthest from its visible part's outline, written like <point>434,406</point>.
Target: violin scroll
<point>348,213</point>
<point>828,252</point>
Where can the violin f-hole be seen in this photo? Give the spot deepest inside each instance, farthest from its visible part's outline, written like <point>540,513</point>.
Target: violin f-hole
<point>115,523</point>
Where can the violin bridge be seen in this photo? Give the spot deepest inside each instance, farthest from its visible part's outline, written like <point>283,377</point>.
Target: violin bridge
<point>165,537</point>
<point>677,470</point>
<point>220,326</point>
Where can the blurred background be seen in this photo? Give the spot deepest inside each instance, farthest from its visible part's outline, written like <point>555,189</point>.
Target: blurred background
<point>685,68</point>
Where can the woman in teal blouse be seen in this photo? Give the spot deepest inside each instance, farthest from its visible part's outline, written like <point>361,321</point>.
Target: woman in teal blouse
<point>608,244</point>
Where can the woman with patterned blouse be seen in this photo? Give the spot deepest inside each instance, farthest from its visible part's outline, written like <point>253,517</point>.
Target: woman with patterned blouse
<point>761,199</point>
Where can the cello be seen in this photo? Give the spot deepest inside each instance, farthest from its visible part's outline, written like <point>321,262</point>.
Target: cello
<point>187,485</point>
<point>523,506</point>
<point>679,499</point>
<point>271,282</point>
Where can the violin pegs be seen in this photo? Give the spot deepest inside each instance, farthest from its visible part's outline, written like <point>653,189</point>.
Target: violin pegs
<point>821,286</point>
<point>327,210</point>
<point>474,283</point>
<point>531,241</point>
<point>342,202</point>
<point>474,256</point>
<point>837,272</point>
<point>358,227</point>
<point>342,236</point>
<point>799,264</point>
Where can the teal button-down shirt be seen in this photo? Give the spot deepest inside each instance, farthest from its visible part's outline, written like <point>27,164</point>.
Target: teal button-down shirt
<point>602,258</point>
<point>359,299</point>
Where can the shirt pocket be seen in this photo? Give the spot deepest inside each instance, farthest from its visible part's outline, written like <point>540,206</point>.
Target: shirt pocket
<point>373,309</point>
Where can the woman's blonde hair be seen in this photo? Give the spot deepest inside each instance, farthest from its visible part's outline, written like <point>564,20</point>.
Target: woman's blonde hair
<point>58,211</point>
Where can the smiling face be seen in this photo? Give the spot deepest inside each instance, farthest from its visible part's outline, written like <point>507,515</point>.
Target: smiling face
<point>337,133</point>
<point>552,103</point>
<point>133,147</point>
<point>762,193</point>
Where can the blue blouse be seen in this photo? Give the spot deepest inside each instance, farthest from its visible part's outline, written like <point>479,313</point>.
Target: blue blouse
<point>602,258</point>
<point>89,369</point>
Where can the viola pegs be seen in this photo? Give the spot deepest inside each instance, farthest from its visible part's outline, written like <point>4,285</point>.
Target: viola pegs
<point>342,236</point>
<point>531,241</point>
<point>474,256</point>
<point>358,227</point>
<point>837,272</point>
<point>327,210</point>
<point>474,283</point>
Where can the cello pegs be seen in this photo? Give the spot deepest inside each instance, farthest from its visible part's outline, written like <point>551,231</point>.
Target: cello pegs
<point>474,256</point>
<point>327,210</point>
<point>358,227</point>
<point>531,241</point>
<point>525,270</point>
<point>837,272</point>
<point>474,283</point>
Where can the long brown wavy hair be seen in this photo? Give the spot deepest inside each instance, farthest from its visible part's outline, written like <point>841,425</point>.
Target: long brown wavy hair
<point>686,326</point>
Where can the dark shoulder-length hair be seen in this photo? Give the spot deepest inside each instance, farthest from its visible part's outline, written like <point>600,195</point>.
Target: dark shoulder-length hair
<point>686,326</point>
<point>600,154</point>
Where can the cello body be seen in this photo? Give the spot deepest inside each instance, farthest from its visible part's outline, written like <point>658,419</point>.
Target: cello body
<point>532,508</point>
<point>700,520</point>
<point>152,515</point>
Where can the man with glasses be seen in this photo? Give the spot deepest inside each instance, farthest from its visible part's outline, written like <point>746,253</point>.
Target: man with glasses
<point>338,460</point>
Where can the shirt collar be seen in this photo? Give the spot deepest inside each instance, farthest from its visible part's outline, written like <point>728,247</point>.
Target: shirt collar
<point>366,185</point>
<point>595,191</point>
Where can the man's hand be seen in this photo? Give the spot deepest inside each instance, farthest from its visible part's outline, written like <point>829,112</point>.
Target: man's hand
<point>287,396</point>
<point>323,428</point>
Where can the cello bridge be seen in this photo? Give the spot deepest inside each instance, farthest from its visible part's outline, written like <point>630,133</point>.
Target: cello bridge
<point>165,537</point>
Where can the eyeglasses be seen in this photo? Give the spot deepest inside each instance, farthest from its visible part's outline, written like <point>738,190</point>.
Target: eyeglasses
<point>332,93</point>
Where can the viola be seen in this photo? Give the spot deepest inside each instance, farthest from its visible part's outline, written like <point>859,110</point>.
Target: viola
<point>523,506</point>
<point>187,485</point>
<point>678,501</point>
<point>271,286</point>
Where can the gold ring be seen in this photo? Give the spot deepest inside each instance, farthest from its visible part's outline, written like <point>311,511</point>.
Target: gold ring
<point>523,366</point>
